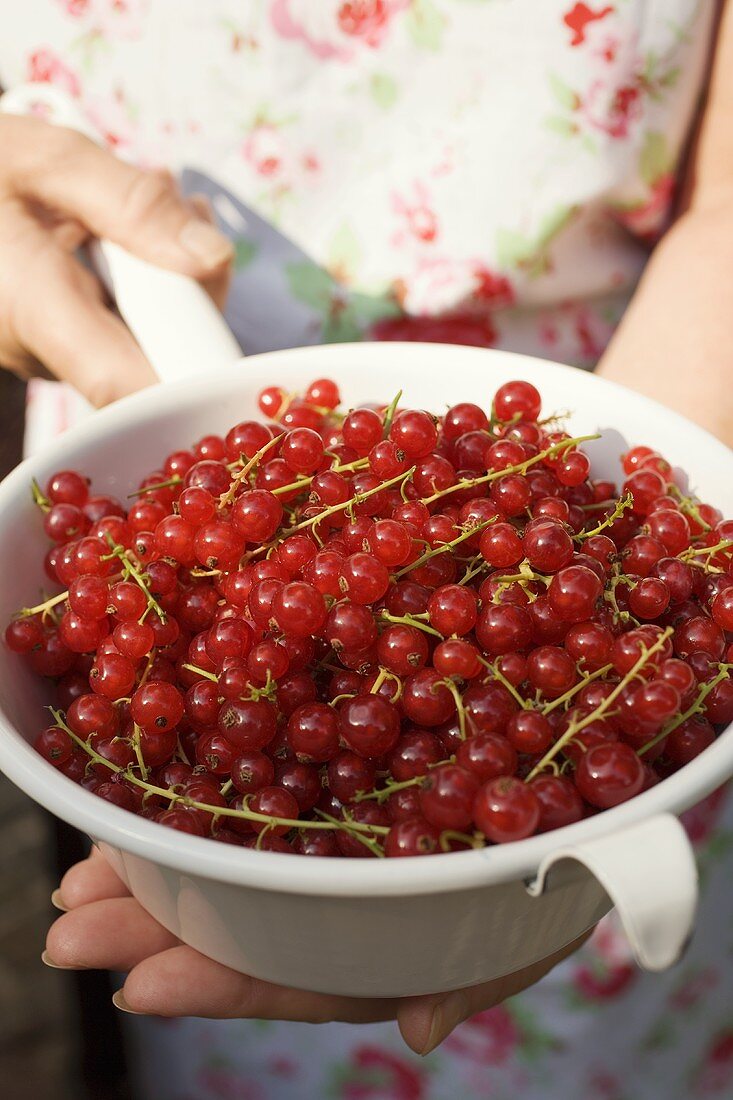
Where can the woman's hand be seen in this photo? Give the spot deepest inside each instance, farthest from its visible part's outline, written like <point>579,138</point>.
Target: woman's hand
<point>105,928</point>
<point>56,190</point>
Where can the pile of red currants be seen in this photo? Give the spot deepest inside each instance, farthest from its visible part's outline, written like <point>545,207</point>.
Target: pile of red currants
<point>381,633</point>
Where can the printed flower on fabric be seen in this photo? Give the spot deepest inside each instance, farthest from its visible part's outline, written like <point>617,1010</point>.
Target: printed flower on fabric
<point>437,282</point>
<point>714,1076</point>
<point>613,103</point>
<point>76,8</point>
<point>647,215</point>
<point>112,19</point>
<point>45,67</point>
<point>417,220</point>
<point>278,162</point>
<point>491,1037</point>
<point>334,31</point>
<point>375,1073</point>
<point>113,118</point>
<point>580,17</point>
<point>603,970</point>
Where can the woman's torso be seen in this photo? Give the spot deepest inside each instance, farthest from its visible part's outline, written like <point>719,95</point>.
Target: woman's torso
<point>473,170</point>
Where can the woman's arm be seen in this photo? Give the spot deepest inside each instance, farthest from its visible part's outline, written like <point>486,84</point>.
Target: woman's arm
<point>675,342</point>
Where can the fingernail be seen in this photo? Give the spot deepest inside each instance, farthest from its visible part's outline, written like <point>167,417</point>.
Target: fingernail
<point>446,1016</point>
<point>48,961</point>
<point>118,1000</point>
<point>206,243</point>
<point>57,902</point>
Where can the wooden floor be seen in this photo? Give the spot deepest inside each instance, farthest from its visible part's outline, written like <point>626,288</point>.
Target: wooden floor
<point>58,1038</point>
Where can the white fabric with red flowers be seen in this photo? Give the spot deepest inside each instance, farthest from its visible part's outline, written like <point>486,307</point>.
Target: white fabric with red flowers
<point>479,171</point>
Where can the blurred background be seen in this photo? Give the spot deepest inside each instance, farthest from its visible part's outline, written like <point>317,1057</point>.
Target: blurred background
<point>59,1036</point>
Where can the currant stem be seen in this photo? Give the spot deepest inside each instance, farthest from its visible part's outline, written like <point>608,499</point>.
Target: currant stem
<point>622,505</point>
<point>577,727</point>
<point>359,498</point>
<point>410,620</point>
<point>460,709</point>
<point>444,547</point>
<point>43,608</point>
<point>217,811</point>
<point>688,505</point>
<point>138,751</point>
<point>201,672</point>
<point>694,708</point>
<point>39,499</point>
<point>226,498</point>
<point>305,482</point>
<point>476,840</point>
<point>520,468</point>
<point>390,411</point>
<point>562,699</point>
<point>496,674</point>
<point>169,484</point>
<point>131,570</point>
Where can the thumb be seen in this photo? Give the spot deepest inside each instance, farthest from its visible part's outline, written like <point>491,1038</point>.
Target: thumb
<point>425,1022</point>
<point>142,211</point>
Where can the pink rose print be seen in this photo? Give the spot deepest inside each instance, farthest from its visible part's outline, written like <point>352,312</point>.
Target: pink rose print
<point>490,1038</point>
<point>448,328</point>
<point>591,334</point>
<point>604,984</point>
<point>282,1066</point>
<point>377,1073</point>
<point>647,218</point>
<point>494,289</point>
<point>700,820</point>
<point>603,1085</point>
<point>44,67</point>
<point>364,22</point>
<point>122,19</point>
<point>419,221</point>
<point>226,1084</point>
<point>578,18</point>
<point>693,989</point>
<point>716,1073</point>
<point>112,118</point>
<point>611,970</point>
<point>264,150</point>
<point>612,110</point>
<point>76,8</point>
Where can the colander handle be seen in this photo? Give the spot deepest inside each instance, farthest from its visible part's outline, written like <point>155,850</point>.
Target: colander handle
<point>174,321</point>
<point>648,870</point>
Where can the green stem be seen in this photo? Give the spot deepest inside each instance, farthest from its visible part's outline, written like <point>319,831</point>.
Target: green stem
<point>410,620</point>
<point>39,499</point>
<point>217,811</point>
<point>460,709</point>
<point>201,672</point>
<point>622,505</point>
<point>169,484</point>
<point>520,468</point>
<point>42,608</point>
<point>445,547</point>
<point>694,708</point>
<point>131,570</point>
<point>227,497</point>
<point>562,699</point>
<point>359,498</point>
<point>138,751</point>
<point>577,727</point>
<point>498,675</point>
<point>390,411</point>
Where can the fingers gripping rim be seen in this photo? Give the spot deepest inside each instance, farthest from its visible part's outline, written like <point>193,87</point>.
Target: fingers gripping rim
<point>176,324</point>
